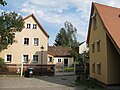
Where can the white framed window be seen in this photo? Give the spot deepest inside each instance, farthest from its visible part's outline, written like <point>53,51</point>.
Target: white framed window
<point>26,41</point>
<point>25,58</point>
<point>8,58</point>
<point>28,26</point>
<point>35,58</point>
<point>50,59</point>
<point>34,26</point>
<point>59,60</point>
<point>36,41</point>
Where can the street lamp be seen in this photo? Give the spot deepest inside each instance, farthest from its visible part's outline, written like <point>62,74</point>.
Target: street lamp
<point>42,48</point>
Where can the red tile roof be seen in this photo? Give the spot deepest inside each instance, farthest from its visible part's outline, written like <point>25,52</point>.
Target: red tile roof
<point>59,51</point>
<point>110,17</point>
<point>32,15</point>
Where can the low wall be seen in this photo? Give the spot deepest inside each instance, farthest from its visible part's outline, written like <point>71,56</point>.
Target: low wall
<point>15,69</point>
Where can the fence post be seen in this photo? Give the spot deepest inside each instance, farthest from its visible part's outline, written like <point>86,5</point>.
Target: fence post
<point>21,69</point>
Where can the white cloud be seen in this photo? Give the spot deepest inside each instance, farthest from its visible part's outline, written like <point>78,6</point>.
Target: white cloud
<point>1,10</point>
<point>57,11</point>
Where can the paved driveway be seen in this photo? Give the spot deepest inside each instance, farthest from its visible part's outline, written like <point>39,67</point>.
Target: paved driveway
<point>39,83</point>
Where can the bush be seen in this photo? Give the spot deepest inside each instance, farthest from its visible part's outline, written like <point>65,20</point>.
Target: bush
<point>3,67</point>
<point>69,69</point>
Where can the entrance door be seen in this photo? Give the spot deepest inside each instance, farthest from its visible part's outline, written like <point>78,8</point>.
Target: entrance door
<point>65,62</point>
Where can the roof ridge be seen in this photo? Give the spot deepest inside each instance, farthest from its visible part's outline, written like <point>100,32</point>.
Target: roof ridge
<point>105,5</point>
<point>108,14</point>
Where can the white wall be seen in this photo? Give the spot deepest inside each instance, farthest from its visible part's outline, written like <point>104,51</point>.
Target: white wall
<point>82,48</point>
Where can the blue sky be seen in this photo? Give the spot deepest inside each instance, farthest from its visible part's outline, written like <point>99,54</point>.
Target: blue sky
<point>53,13</point>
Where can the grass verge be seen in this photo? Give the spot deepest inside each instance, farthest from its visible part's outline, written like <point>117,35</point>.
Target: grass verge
<point>90,84</point>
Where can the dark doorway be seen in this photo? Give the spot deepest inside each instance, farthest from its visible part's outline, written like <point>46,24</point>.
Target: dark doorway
<point>65,62</point>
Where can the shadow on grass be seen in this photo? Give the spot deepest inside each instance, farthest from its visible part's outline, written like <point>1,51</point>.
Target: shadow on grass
<point>90,84</point>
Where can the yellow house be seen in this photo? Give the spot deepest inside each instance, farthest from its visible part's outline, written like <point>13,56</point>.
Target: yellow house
<point>28,44</point>
<point>104,42</point>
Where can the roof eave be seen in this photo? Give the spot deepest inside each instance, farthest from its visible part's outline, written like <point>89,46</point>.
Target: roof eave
<point>90,21</point>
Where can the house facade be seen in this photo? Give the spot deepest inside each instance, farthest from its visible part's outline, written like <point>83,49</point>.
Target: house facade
<point>104,43</point>
<point>60,55</point>
<point>29,45</point>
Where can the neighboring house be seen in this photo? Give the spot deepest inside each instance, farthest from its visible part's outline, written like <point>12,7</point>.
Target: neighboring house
<point>83,47</point>
<point>83,51</point>
<point>104,43</point>
<point>60,55</point>
<point>28,43</point>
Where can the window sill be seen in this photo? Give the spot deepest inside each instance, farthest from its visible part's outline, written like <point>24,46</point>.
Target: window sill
<point>35,45</point>
<point>25,62</point>
<point>35,62</point>
<point>25,45</point>
<point>8,61</point>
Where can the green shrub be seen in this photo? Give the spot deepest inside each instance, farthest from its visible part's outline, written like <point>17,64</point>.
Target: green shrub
<point>68,69</point>
<point>3,67</point>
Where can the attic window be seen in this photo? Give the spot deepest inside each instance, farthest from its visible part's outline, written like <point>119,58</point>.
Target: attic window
<point>28,26</point>
<point>34,26</point>
<point>94,23</point>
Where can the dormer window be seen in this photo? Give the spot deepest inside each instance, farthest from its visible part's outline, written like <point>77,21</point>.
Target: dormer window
<point>34,26</point>
<point>28,26</point>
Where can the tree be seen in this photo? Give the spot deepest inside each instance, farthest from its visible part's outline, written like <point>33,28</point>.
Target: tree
<point>9,24</point>
<point>2,2</point>
<point>86,56</point>
<point>61,38</point>
<point>67,36</point>
<point>3,67</point>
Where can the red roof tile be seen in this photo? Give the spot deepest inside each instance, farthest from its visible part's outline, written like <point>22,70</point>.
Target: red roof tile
<point>110,17</point>
<point>59,51</point>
